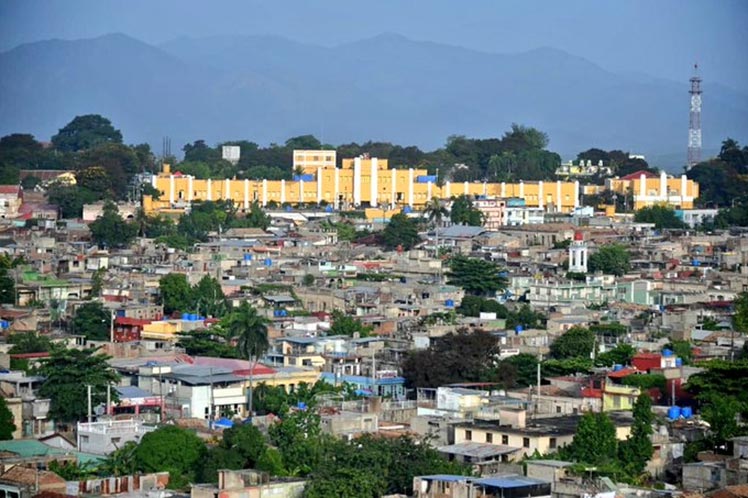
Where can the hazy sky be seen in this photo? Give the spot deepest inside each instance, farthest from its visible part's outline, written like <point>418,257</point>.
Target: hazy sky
<point>658,37</point>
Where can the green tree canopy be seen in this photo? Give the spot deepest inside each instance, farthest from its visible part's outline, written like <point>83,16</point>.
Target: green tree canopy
<point>577,342</point>
<point>345,324</point>
<point>93,321</point>
<point>208,297</point>
<point>211,342</point>
<point>517,371</point>
<point>461,357</point>
<point>86,132</point>
<point>29,342</point>
<point>622,354</point>
<point>251,333</point>
<point>661,216</point>
<point>721,412</point>
<point>7,279</point>
<point>199,151</point>
<point>246,441</point>
<point>372,466</point>
<point>299,439</point>
<point>70,199</point>
<point>740,316</point>
<point>172,449</point>
<point>611,259</point>
<point>120,163</point>
<point>464,213</point>
<point>7,425</point>
<point>477,276</point>
<point>216,459</point>
<point>475,305</point>
<point>175,293</point>
<point>110,230</point>
<point>721,379</point>
<point>595,441</point>
<point>67,372</point>
<point>401,231</point>
<point>636,451</point>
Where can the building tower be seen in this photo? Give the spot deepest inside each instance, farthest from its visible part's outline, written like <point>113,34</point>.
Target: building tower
<point>694,121</point>
<point>578,254</point>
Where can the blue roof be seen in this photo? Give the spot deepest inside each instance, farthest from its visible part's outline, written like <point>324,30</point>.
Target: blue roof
<point>223,423</point>
<point>132,392</point>
<point>362,380</point>
<point>510,481</point>
<point>445,478</point>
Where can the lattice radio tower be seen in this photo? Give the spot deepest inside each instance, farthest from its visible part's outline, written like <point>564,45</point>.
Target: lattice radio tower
<point>694,121</point>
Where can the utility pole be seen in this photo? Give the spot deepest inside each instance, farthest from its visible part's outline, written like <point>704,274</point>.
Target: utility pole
<point>89,403</point>
<point>111,326</point>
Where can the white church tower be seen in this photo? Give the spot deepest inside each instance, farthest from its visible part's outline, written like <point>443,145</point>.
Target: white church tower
<point>578,254</point>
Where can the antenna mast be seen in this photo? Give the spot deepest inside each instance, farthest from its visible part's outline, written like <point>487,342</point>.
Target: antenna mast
<point>694,122</point>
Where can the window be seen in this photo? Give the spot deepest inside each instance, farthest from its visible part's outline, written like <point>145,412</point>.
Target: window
<point>84,439</point>
<point>504,439</point>
<point>526,442</point>
<point>468,435</point>
<point>489,437</point>
<point>552,443</point>
<point>558,409</point>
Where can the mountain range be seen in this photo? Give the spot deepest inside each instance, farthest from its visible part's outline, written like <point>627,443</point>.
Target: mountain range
<point>267,88</point>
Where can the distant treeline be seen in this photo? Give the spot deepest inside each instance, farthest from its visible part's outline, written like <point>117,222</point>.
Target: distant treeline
<point>92,141</point>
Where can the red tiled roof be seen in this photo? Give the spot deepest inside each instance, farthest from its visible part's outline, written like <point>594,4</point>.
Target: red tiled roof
<point>636,174</point>
<point>591,392</point>
<point>257,370</point>
<point>620,374</point>
<point>126,320</point>
<point>28,356</point>
<point>647,356</point>
<point>10,189</point>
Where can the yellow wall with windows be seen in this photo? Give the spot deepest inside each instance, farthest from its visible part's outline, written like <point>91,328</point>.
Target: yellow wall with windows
<point>360,182</point>
<point>677,192</point>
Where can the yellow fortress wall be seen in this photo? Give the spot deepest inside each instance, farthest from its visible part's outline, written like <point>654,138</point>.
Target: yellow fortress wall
<point>369,182</point>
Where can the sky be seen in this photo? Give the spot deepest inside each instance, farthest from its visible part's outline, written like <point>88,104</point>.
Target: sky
<point>661,38</point>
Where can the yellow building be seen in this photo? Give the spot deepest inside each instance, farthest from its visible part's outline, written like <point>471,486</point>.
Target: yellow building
<point>618,397</point>
<point>521,438</point>
<point>648,189</point>
<point>360,182</point>
<point>309,160</point>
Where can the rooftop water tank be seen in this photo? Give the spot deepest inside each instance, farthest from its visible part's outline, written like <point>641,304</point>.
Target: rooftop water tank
<point>686,412</point>
<point>673,413</point>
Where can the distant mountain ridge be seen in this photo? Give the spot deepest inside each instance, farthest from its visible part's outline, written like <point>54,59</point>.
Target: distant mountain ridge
<point>268,88</point>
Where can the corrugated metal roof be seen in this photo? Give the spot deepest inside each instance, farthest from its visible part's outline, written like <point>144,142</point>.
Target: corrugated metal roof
<point>509,481</point>
<point>445,478</point>
<point>478,450</point>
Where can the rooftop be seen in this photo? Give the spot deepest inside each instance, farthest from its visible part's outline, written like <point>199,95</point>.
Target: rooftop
<point>562,425</point>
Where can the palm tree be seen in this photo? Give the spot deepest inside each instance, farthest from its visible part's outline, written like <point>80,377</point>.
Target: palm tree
<point>251,332</point>
<point>435,211</point>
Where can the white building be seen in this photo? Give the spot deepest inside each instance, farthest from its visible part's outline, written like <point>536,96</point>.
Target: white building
<point>104,437</point>
<point>578,254</point>
<point>595,290</point>
<point>696,217</point>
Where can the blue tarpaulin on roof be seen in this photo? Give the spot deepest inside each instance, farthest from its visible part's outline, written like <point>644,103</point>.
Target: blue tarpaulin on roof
<point>223,423</point>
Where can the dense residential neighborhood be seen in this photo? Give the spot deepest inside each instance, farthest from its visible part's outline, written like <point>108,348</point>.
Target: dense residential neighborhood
<point>363,327</point>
